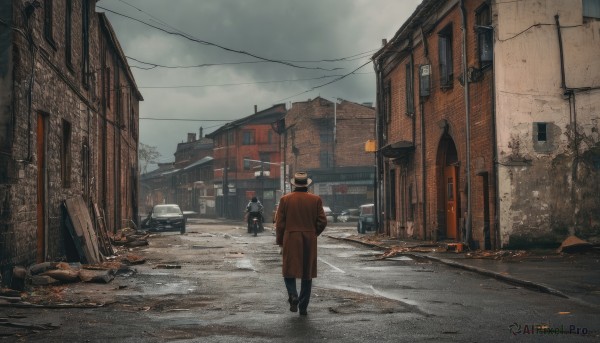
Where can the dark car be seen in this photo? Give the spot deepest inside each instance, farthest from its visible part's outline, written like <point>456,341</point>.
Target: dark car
<point>366,218</point>
<point>166,217</point>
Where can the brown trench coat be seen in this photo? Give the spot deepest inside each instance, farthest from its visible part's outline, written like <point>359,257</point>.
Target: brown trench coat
<point>299,220</point>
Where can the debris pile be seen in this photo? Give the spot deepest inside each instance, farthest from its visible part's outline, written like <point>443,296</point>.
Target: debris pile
<point>129,238</point>
<point>498,254</point>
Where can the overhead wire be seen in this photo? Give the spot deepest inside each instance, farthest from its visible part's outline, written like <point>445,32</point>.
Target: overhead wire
<point>204,42</point>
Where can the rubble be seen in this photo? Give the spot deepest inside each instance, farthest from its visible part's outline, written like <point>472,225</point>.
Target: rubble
<point>573,244</point>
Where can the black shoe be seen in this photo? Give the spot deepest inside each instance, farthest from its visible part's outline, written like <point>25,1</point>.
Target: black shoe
<point>293,300</point>
<point>303,312</point>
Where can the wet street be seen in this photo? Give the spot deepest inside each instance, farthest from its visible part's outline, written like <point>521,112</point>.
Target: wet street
<point>217,283</point>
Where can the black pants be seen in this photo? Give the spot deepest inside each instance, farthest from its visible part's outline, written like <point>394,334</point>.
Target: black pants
<point>305,288</point>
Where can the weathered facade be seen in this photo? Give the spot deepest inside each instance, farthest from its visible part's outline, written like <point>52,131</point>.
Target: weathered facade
<point>51,114</point>
<point>475,132</point>
<point>547,96</point>
<point>327,139</point>
<point>248,161</point>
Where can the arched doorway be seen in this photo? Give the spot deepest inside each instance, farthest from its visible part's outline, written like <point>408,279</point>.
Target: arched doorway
<point>447,187</point>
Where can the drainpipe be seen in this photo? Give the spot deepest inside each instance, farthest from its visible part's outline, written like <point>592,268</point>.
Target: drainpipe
<point>467,238</point>
<point>377,188</point>
<point>423,162</point>
<point>496,245</point>
<point>572,108</point>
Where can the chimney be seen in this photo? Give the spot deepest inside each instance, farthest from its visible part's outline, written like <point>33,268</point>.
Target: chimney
<point>255,109</point>
<point>201,129</point>
<point>191,137</point>
<point>384,42</point>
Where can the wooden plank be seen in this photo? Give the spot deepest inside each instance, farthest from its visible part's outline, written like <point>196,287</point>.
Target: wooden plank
<point>82,230</point>
<point>102,233</point>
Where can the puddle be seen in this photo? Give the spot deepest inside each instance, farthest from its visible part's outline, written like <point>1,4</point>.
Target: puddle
<point>244,264</point>
<point>400,258</point>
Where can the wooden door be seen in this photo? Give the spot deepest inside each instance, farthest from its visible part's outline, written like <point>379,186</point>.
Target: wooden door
<point>451,201</point>
<point>41,188</point>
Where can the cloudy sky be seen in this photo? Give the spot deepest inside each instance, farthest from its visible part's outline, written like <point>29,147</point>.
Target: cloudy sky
<point>297,36</point>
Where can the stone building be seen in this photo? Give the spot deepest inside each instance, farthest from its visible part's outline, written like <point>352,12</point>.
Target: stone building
<point>475,119</point>
<point>53,90</point>
<point>327,139</point>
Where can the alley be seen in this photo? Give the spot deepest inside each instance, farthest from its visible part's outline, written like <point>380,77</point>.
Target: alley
<point>217,283</point>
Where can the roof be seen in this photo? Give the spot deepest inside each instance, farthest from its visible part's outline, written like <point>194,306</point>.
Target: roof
<point>267,116</point>
<point>104,22</point>
<point>199,162</point>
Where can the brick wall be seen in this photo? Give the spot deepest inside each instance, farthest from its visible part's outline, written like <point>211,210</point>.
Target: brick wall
<point>444,105</point>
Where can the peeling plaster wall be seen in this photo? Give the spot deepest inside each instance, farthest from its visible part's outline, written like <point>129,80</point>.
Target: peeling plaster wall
<point>548,189</point>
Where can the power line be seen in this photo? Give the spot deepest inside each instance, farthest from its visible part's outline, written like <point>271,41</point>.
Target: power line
<point>325,84</point>
<point>248,83</point>
<point>185,119</point>
<point>348,58</point>
<point>214,44</point>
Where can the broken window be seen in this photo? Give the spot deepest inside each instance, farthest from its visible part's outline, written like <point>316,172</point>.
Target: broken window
<point>485,35</point>
<point>65,154</point>
<point>445,56</point>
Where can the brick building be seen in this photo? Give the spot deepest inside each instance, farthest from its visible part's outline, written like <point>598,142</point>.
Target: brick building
<point>247,162</point>
<point>474,127</point>
<point>327,139</point>
<point>53,121</point>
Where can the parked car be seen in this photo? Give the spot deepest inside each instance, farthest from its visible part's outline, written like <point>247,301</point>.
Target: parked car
<point>366,218</point>
<point>166,217</point>
<point>349,215</point>
<point>328,214</point>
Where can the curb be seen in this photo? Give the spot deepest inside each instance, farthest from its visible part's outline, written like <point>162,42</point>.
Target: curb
<point>501,277</point>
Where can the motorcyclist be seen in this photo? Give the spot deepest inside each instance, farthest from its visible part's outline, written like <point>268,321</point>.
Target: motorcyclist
<point>254,209</point>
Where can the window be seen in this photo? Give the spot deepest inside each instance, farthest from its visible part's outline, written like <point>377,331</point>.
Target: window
<point>591,8</point>
<point>485,35</point>
<point>387,109</point>
<point>246,163</point>
<point>85,36</point>
<point>248,137</point>
<point>542,134</point>
<point>68,36</point>
<point>325,134</point>
<point>108,87</point>
<point>325,159</point>
<point>230,138</point>
<point>392,195</point>
<point>410,95</point>
<point>270,137</point>
<point>65,154</point>
<point>48,32</point>
<point>445,56</point>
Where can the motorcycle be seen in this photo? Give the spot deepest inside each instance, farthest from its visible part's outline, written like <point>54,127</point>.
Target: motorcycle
<point>255,225</point>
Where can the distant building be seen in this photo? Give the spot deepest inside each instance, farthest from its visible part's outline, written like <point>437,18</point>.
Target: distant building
<point>68,126</point>
<point>248,162</point>
<point>327,139</point>
<point>186,182</point>
<point>487,121</point>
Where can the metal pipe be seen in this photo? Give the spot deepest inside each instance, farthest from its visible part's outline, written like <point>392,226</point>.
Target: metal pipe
<point>467,238</point>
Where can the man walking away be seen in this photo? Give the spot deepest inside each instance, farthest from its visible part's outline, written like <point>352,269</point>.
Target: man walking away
<point>299,220</point>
